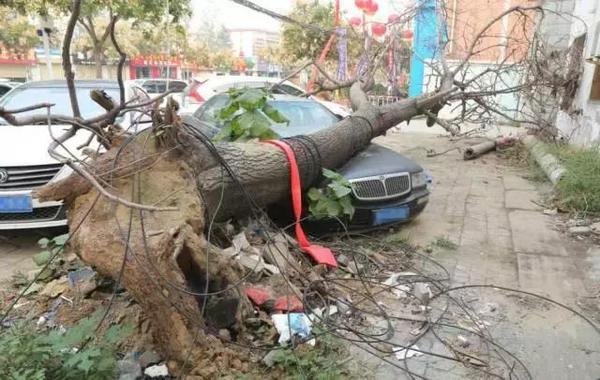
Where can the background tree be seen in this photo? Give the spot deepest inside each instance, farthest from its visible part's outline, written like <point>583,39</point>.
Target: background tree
<point>95,17</point>
<point>17,34</point>
<point>223,60</point>
<point>299,42</point>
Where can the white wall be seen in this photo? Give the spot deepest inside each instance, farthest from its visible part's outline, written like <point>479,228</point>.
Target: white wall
<point>506,103</point>
<point>584,128</point>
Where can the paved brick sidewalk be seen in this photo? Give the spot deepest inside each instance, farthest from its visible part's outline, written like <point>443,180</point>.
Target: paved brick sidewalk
<point>491,212</point>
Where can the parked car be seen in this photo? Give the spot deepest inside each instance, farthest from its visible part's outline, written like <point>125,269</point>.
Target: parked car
<point>24,160</point>
<point>6,86</point>
<point>388,188</point>
<point>200,91</point>
<point>157,86</point>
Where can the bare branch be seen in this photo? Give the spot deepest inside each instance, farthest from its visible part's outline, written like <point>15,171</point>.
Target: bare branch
<point>113,197</point>
<point>66,57</point>
<point>122,58</point>
<point>278,16</point>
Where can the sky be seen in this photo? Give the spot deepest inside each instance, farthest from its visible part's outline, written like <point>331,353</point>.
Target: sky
<point>232,15</point>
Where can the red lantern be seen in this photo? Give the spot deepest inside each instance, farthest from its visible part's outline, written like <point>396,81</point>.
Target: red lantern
<point>393,18</point>
<point>406,34</point>
<point>378,29</point>
<point>371,7</point>
<point>355,21</point>
<point>360,4</point>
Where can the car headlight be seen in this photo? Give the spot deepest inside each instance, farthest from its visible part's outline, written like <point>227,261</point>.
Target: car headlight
<point>64,172</point>
<point>418,179</point>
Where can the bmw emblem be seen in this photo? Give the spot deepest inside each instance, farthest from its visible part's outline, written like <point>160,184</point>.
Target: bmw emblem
<point>3,176</point>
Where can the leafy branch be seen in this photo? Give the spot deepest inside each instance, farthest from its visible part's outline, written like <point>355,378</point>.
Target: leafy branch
<point>248,115</point>
<point>334,200</point>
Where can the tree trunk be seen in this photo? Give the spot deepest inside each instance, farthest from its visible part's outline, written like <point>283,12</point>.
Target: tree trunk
<point>168,251</point>
<point>98,61</point>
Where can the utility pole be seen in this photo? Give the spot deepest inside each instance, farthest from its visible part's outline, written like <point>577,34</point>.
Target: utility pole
<point>44,32</point>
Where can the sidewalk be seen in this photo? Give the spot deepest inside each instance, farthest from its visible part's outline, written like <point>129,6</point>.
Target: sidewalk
<point>491,212</point>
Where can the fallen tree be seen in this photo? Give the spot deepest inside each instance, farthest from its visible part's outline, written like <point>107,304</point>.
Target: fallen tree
<point>142,212</point>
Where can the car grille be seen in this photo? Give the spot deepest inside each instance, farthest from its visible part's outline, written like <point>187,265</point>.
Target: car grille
<point>38,214</point>
<point>29,177</point>
<point>381,187</point>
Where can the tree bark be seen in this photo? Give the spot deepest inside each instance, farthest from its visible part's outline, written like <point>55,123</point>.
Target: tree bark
<point>97,52</point>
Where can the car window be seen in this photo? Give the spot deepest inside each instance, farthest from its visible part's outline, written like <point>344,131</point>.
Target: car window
<point>287,89</point>
<point>4,89</point>
<point>149,86</point>
<point>207,111</point>
<point>155,86</point>
<point>304,116</point>
<point>59,96</point>
<point>177,85</point>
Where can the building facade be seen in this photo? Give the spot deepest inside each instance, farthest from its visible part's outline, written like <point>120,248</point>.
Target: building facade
<point>453,28</point>
<point>251,44</point>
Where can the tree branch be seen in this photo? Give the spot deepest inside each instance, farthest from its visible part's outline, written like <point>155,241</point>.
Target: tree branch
<point>250,5</point>
<point>66,58</point>
<point>122,58</point>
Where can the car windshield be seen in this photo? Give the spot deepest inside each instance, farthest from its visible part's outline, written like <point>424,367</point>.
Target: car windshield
<point>305,116</point>
<point>59,96</point>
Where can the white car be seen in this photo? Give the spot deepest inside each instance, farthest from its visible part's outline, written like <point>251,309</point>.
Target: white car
<point>6,86</point>
<point>199,91</point>
<point>158,86</point>
<point>25,163</point>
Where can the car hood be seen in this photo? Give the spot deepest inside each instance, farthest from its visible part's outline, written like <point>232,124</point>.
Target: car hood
<point>335,108</point>
<point>377,160</point>
<point>28,145</point>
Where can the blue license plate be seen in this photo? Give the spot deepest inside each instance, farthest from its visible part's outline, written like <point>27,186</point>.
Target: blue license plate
<point>15,203</point>
<point>390,215</point>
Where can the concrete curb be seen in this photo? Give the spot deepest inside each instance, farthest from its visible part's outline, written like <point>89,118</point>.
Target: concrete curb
<point>547,161</point>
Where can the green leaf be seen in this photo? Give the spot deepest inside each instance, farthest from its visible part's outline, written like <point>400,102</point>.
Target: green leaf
<point>314,194</point>
<point>229,109</point>
<point>252,99</point>
<point>347,207</point>
<point>225,133</point>
<point>257,124</point>
<point>333,207</point>
<point>42,258</point>
<point>339,190</point>
<point>331,174</point>
<point>61,239</point>
<point>43,242</point>
<point>274,114</point>
<point>263,133</point>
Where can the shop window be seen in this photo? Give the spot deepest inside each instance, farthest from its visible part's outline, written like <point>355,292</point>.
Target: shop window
<point>142,72</point>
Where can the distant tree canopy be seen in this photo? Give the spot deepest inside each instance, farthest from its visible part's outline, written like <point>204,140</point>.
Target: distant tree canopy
<point>94,17</point>
<point>17,34</point>
<point>216,37</point>
<point>212,45</point>
<point>298,43</point>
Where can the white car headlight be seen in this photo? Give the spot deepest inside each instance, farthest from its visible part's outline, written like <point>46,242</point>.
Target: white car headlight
<point>64,172</point>
<point>418,179</point>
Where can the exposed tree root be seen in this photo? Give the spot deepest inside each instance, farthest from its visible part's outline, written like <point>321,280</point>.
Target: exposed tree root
<point>173,257</point>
